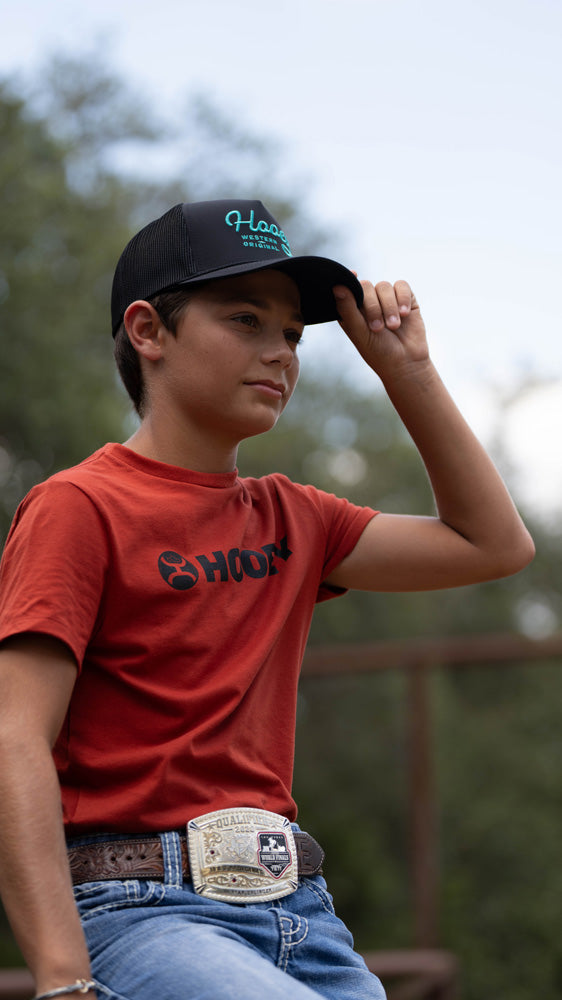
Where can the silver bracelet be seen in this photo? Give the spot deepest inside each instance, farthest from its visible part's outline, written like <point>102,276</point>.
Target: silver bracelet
<point>80,986</point>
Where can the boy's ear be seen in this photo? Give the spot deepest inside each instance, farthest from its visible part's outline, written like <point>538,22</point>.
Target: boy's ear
<point>144,328</point>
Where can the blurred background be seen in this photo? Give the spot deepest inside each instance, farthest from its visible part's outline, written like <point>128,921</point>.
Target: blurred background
<point>408,140</point>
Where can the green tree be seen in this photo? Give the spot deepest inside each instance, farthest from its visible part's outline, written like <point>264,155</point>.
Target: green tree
<point>67,208</point>
<point>58,397</point>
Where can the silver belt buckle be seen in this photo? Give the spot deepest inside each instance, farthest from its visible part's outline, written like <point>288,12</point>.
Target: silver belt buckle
<point>242,855</point>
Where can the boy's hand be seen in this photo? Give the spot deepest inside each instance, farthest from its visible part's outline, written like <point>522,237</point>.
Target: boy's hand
<point>388,331</point>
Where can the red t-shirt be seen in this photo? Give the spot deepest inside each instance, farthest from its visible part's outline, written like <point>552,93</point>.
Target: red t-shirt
<point>186,599</point>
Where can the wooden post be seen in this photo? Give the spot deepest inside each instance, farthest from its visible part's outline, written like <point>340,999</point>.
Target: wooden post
<point>423,825</point>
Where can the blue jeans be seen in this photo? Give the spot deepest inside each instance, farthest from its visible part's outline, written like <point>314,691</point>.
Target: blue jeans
<point>161,941</point>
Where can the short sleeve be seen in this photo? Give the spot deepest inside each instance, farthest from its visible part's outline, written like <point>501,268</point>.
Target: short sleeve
<point>342,524</point>
<point>348,524</point>
<point>53,567</point>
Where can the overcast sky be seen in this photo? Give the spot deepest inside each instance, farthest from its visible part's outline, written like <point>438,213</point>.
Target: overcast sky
<point>431,135</point>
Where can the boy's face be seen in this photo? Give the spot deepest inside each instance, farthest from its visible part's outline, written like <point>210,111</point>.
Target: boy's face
<point>232,366</point>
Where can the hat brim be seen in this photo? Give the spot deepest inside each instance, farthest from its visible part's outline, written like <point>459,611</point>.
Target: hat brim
<point>314,276</point>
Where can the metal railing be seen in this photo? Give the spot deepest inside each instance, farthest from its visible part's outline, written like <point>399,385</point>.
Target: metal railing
<point>15,984</point>
<point>424,972</point>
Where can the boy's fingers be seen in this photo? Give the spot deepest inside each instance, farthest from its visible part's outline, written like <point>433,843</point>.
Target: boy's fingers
<point>404,297</point>
<point>373,305</point>
<point>384,304</point>
<point>389,303</point>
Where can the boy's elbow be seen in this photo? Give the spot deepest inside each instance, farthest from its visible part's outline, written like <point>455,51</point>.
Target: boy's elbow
<point>518,554</point>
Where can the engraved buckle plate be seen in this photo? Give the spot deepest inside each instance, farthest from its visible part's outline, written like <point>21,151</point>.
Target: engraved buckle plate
<point>242,855</point>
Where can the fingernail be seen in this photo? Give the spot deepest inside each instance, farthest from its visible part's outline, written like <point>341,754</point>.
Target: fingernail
<point>376,324</point>
<point>340,293</point>
<point>404,309</point>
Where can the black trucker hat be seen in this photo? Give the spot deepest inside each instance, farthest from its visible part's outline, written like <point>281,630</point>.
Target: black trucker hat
<point>200,241</point>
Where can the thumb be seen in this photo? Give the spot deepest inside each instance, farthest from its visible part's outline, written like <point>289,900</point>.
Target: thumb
<point>350,316</point>
<point>346,303</point>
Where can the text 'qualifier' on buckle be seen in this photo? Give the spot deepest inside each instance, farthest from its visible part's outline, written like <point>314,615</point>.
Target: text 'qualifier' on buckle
<point>242,855</point>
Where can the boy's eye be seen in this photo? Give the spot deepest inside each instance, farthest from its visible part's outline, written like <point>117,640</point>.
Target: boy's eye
<point>294,336</point>
<point>247,318</point>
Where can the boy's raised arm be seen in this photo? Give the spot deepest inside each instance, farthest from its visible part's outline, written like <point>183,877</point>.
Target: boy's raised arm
<point>478,534</point>
<point>37,675</point>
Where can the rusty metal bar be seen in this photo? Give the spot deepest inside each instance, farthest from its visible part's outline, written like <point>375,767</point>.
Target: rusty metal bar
<point>16,984</point>
<point>455,650</point>
<point>418,974</point>
<point>423,808</point>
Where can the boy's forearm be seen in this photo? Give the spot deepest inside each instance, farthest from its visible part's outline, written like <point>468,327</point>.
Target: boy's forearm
<point>34,877</point>
<point>469,493</point>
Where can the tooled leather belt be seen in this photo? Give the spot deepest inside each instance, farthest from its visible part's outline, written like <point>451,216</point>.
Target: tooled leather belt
<point>142,858</point>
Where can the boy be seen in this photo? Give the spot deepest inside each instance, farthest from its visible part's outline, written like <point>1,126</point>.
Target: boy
<point>154,614</point>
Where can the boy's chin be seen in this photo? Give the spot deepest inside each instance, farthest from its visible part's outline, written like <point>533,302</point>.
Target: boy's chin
<point>259,427</point>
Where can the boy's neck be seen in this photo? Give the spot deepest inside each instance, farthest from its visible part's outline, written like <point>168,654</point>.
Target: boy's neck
<point>198,454</point>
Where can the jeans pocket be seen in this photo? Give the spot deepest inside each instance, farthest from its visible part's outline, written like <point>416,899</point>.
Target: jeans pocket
<point>93,898</point>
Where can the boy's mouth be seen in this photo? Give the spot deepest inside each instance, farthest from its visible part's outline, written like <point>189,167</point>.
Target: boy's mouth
<point>276,388</point>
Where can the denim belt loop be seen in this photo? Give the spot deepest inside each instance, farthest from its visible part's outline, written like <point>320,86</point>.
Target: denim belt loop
<point>173,870</point>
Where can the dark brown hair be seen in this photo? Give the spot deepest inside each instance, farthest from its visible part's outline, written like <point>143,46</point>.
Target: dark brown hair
<point>169,306</point>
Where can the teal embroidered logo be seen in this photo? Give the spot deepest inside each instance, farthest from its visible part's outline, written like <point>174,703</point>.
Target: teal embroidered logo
<point>261,234</point>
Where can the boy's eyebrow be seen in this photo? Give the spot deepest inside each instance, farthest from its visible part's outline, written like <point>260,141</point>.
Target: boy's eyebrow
<point>258,303</point>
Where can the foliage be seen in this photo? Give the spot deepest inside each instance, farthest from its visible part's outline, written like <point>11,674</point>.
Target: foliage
<point>56,247</point>
<point>498,753</point>
<point>499,765</point>
<point>65,215</point>
<point>75,181</point>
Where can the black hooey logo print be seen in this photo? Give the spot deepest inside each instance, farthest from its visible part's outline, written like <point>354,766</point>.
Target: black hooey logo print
<point>236,564</point>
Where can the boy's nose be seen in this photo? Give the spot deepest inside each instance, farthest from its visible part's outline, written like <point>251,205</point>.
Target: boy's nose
<point>277,348</point>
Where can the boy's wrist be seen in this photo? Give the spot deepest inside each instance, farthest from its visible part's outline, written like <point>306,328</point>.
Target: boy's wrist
<point>75,988</point>
<point>73,975</point>
<point>421,374</point>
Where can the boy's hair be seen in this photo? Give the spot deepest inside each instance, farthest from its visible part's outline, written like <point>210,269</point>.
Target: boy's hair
<point>170,307</point>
